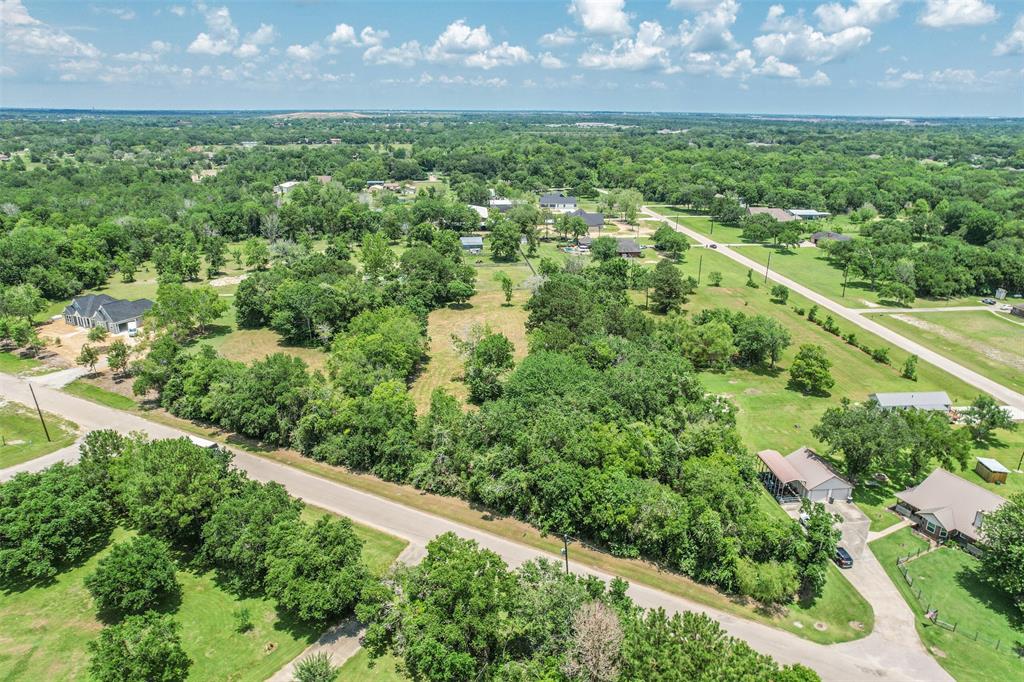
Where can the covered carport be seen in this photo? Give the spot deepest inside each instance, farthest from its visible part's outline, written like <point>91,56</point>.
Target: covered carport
<point>778,475</point>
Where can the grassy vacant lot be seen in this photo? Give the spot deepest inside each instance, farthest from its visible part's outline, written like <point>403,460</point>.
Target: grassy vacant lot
<point>991,344</point>
<point>948,581</point>
<point>83,389</point>
<point>808,266</point>
<point>24,438</point>
<point>45,628</point>
<point>13,363</point>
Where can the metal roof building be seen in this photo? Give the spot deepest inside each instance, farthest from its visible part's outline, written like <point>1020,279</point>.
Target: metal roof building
<point>932,400</point>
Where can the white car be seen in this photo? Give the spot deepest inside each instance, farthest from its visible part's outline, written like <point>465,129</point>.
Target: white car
<point>1005,308</point>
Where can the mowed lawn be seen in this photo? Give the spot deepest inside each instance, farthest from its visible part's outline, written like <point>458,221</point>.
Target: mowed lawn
<point>44,630</point>
<point>13,363</point>
<point>24,438</point>
<point>810,267</point>
<point>991,344</point>
<point>83,389</point>
<point>948,581</point>
<point>357,669</point>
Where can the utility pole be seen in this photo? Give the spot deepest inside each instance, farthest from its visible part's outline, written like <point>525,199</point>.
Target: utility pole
<point>700,266</point>
<point>846,276</point>
<point>565,550</point>
<point>767,267</point>
<point>1021,460</point>
<point>41,420</point>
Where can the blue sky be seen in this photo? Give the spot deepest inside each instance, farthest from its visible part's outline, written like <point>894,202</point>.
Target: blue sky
<point>852,57</point>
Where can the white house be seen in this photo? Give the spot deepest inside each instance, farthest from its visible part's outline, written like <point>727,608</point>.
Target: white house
<point>556,201</point>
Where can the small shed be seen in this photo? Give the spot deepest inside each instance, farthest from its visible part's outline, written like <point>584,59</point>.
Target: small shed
<point>473,244</point>
<point>991,470</point>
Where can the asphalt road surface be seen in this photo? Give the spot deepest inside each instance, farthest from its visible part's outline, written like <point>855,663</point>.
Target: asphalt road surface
<point>892,652</point>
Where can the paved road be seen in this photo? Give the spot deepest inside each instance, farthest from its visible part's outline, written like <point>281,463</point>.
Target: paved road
<point>891,653</point>
<point>1006,395</point>
<point>915,311</point>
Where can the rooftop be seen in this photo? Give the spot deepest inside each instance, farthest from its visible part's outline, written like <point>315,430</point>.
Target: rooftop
<point>993,465</point>
<point>932,400</point>
<point>954,501</point>
<point>780,466</point>
<point>812,468</point>
<point>780,214</point>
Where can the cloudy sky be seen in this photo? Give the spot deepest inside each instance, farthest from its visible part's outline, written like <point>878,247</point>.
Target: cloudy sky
<point>882,57</point>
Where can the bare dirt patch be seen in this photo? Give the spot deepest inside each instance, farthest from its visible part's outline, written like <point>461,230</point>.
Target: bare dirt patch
<point>227,281</point>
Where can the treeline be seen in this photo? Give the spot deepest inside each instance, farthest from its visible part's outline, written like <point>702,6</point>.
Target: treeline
<point>602,432</point>
<point>463,615</point>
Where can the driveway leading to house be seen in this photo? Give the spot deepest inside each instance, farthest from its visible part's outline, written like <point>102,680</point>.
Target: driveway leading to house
<point>892,651</point>
<point>983,383</point>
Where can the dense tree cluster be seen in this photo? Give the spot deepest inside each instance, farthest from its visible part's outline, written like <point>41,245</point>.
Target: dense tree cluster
<point>462,615</point>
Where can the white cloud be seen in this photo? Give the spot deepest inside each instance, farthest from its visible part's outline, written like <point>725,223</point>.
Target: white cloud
<point>819,80</point>
<point>122,13</point>
<point>177,10</point>
<point>709,32</point>
<point>499,55</point>
<point>7,71</point>
<point>1013,43</point>
<point>264,35</point>
<point>343,35</point>
<point>222,36</point>
<point>896,79</point>
<point>406,54</point>
<point>156,49</point>
<point>550,61</point>
<point>836,17</point>
<point>560,37</point>
<point>776,68</point>
<point>648,49</point>
<point>371,36</point>
<point>804,44</point>
<point>346,35</point>
<point>246,51</point>
<point>948,13</point>
<point>693,5</point>
<point>740,66</point>
<point>458,40</point>
<point>601,16</point>
<point>22,33</point>
<point>776,20</point>
<point>970,80</point>
<point>304,53</point>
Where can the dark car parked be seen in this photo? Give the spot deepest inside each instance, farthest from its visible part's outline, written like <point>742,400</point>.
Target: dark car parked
<point>843,558</point>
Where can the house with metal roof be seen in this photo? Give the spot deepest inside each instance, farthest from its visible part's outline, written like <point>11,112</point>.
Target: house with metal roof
<point>802,473</point>
<point>937,401</point>
<point>780,214</point>
<point>947,506</point>
<point>472,243</point>
<point>808,213</point>
<point>100,310</point>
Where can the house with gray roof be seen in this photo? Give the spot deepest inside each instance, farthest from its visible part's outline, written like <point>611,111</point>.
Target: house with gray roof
<point>473,243</point>
<point>556,201</point>
<point>808,213</point>
<point>829,236</point>
<point>591,219</point>
<point>937,401</point>
<point>780,214</point>
<point>100,310</point>
<point>802,473</point>
<point>946,506</point>
<point>627,248</point>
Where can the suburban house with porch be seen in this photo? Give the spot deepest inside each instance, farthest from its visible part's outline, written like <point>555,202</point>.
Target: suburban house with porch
<point>99,310</point>
<point>802,473</point>
<point>945,506</point>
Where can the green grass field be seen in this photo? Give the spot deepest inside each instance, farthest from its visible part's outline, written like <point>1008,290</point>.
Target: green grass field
<point>357,669</point>
<point>24,438</point>
<point>83,389</point>
<point>948,581</point>
<point>45,629</point>
<point>11,363</point>
<point>991,344</point>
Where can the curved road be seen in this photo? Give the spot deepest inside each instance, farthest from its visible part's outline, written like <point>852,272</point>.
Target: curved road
<point>892,651</point>
<point>998,391</point>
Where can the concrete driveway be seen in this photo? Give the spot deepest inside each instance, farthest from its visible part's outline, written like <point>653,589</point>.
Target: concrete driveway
<point>855,526</point>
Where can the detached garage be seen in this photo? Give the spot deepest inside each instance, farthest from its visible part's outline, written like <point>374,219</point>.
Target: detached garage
<point>802,474</point>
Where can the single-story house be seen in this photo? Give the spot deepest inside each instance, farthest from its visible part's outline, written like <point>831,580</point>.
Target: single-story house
<point>473,243</point>
<point>780,214</point>
<point>584,243</point>
<point>591,219</point>
<point>501,205</point>
<point>286,187</point>
<point>100,310</point>
<point>991,470</point>
<point>481,211</point>
<point>825,236</point>
<point>937,401</point>
<point>947,506</point>
<point>556,201</point>
<point>627,248</point>
<point>808,213</point>
<point>802,473</point>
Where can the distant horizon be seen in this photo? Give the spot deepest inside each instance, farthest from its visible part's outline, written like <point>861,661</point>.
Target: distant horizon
<point>867,58</point>
<point>415,110</point>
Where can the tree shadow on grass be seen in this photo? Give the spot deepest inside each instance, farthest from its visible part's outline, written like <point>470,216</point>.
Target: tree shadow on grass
<point>169,604</point>
<point>971,579</point>
<point>95,545</point>
<point>297,628</point>
<point>765,370</point>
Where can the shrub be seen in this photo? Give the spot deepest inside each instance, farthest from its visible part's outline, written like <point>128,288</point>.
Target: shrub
<point>243,620</point>
<point>135,577</point>
<point>812,314</point>
<point>799,311</point>
<point>881,355</point>
<point>140,648</point>
<point>316,668</point>
<point>715,278</point>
